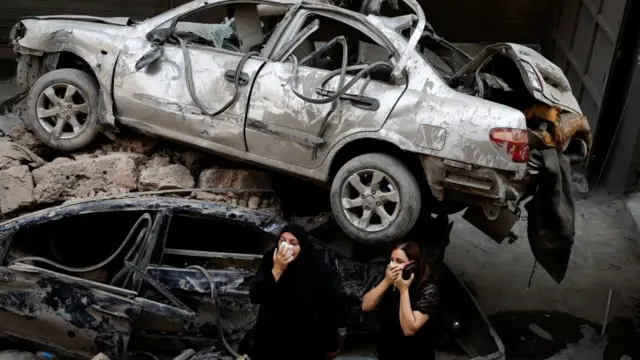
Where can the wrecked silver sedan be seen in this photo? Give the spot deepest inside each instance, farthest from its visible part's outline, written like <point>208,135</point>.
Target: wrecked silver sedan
<point>393,118</point>
<point>73,284</point>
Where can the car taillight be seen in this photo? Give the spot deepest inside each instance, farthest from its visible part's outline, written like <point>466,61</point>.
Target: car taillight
<point>513,144</point>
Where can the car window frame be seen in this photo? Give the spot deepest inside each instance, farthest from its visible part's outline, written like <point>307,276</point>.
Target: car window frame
<point>267,49</point>
<point>298,20</point>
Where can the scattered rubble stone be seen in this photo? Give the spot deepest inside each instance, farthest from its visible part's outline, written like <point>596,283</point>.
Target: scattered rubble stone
<point>16,189</point>
<point>62,180</point>
<point>254,202</point>
<point>138,144</point>
<point>26,138</point>
<point>173,176</point>
<point>12,154</point>
<point>234,179</point>
<point>157,160</point>
<point>7,122</point>
<point>127,164</point>
<point>540,332</point>
<point>193,160</point>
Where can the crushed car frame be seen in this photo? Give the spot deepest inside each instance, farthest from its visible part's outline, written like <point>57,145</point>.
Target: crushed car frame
<point>72,284</point>
<point>392,117</point>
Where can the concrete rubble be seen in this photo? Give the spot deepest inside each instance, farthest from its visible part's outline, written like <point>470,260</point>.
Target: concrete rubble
<point>129,164</point>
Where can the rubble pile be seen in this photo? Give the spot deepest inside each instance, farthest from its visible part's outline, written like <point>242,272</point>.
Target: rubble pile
<point>129,164</point>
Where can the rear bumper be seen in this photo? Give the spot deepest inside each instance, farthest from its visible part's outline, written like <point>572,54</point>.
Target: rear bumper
<point>473,184</point>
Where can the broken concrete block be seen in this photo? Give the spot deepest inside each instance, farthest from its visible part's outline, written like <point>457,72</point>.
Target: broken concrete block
<point>234,179</point>
<point>101,356</point>
<point>13,154</point>
<point>77,179</point>
<point>540,332</point>
<point>16,189</point>
<point>132,144</point>
<point>217,178</point>
<point>158,160</point>
<point>164,178</point>
<point>193,160</point>
<point>253,203</point>
<point>23,136</point>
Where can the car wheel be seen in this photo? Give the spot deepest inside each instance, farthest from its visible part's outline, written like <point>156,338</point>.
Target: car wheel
<point>375,198</point>
<point>62,109</point>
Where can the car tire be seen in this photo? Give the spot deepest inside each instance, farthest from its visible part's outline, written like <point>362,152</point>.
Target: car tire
<point>52,101</point>
<point>379,174</point>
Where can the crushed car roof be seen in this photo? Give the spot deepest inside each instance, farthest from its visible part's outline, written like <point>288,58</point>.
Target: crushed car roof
<point>264,221</point>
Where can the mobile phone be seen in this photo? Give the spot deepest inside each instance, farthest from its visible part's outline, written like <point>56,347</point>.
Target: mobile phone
<point>408,269</point>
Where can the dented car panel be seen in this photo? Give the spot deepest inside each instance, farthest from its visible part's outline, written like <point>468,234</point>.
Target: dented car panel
<point>83,317</point>
<point>80,318</point>
<point>256,102</point>
<point>76,318</point>
<point>544,79</point>
<point>98,44</point>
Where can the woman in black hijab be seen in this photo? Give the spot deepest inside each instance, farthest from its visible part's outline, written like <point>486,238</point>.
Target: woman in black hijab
<point>299,302</point>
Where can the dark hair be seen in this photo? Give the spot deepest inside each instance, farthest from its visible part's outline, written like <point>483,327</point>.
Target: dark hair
<point>413,252</point>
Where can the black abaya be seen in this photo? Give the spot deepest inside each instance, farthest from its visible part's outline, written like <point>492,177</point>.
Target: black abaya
<point>299,314</point>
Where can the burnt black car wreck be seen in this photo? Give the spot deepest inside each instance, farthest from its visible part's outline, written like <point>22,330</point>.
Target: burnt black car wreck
<point>131,277</point>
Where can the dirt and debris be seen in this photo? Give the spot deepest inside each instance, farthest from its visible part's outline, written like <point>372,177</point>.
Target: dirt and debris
<point>555,335</point>
<point>12,154</point>
<point>16,189</point>
<point>33,177</point>
<point>66,179</point>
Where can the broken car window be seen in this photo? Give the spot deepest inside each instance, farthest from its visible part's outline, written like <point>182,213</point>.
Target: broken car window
<point>360,48</point>
<point>443,56</point>
<point>77,242</point>
<point>212,249</point>
<point>238,27</point>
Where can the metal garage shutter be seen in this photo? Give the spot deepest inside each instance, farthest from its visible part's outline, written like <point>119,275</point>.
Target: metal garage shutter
<point>584,41</point>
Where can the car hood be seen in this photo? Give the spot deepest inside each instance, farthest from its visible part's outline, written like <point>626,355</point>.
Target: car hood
<point>120,21</point>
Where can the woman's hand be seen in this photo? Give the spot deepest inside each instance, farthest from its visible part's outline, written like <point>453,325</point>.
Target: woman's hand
<point>403,284</point>
<point>280,260</point>
<point>392,273</point>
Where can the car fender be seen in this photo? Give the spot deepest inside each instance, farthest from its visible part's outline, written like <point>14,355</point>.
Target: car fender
<point>99,48</point>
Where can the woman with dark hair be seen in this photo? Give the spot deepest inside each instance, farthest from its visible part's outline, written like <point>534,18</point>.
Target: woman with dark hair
<point>407,307</point>
<point>299,301</point>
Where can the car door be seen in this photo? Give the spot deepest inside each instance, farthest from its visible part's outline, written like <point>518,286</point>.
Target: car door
<point>74,313</point>
<point>283,126</point>
<point>76,317</point>
<point>156,98</point>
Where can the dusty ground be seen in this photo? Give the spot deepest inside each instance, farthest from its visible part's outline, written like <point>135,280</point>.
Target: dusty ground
<point>603,258</point>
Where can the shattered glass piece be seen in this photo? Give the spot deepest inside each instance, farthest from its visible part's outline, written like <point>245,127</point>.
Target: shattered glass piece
<point>218,34</point>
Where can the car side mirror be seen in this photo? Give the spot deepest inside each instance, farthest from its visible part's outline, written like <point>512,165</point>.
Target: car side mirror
<point>149,57</point>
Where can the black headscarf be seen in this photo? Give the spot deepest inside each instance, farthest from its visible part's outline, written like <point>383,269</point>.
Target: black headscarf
<point>304,301</point>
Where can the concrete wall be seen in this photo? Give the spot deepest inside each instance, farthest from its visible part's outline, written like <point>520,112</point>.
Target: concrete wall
<point>604,256</point>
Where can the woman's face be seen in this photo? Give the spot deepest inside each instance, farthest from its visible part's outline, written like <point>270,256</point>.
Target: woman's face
<point>399,257</point>
<point>291,240</point>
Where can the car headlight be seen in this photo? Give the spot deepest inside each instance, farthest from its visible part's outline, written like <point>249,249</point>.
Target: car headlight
<point>18,31</point>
